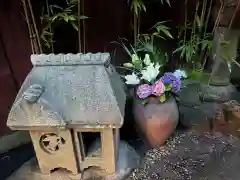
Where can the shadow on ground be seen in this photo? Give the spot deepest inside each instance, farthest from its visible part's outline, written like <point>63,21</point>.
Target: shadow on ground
<point>12,160</point>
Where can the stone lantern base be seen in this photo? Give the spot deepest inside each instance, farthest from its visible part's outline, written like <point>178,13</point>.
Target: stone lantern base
<point>54,150</point>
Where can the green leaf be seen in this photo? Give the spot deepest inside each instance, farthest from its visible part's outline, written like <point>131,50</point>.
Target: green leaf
<point>51,9</point>
<point>65,18</point>
<point>47,45</point>
<point>168,87</point>
<point>71,18</point>
<point>126,49</point>
<point>75,26</point>
<point>178,50</point>
<point>225,43</point>
<point>70,7</point>
<point>43,38</point>
<point>203,46</point>
<point>128,65</point>
<point>157,35</point>
<point>138,64</point>
<point>137,6</point>
<point>168,2</point>
<point>48,33</point>
<point>167,33</point>
<point>159,23</point>
<point>56,6</point>
<point>162,98</point>
<point>83,17</point>
<point>197,19</point>
<point>144,102</point>
<point>56,16</point>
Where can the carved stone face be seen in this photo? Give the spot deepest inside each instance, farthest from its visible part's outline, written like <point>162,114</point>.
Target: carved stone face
<point>33,93</point>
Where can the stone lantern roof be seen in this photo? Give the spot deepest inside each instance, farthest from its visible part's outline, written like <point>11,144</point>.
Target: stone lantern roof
<point>67,90</point>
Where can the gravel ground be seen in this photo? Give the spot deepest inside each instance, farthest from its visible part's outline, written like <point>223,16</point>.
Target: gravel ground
<point>192,156</point>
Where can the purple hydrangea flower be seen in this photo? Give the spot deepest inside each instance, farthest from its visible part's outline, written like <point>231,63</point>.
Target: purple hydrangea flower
<point>144,90</point>
<point>170,78</point>
<point>176,85</point>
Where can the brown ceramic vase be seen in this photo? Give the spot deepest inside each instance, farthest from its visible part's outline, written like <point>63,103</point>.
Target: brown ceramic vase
<point>156,120</point>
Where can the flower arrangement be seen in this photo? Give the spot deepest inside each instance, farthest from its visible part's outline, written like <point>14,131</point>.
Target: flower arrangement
<point>147,77</point>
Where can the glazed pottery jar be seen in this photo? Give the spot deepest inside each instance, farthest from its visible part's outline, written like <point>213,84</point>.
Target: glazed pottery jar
<point>156,120</point>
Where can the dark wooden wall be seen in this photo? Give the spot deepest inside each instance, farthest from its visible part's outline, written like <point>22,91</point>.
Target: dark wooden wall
<point>14,56</point>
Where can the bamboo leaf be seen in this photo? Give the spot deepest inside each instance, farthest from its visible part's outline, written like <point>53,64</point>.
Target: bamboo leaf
<point>83,17</point>
<point>197,19</point>
<point>71,18</point>
<point>126,49</point>
<point>203,47</point>
<point>168,2</point>
<point>56,6</point>
<point>51,9</point>
<point>48,33</point>
<point>159,36</point>
<point>47,44</point>
<point>75,26</point>
<point>178,50</point>
<point>167,33</point>
<point>43,38</point>
<point>56,16</point>
<point>144,7</point>
<point>65,18</point>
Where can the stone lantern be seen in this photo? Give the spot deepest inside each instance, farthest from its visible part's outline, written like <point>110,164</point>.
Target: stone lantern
<point>63,97</point>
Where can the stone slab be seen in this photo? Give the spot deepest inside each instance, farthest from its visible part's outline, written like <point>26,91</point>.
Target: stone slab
<point>13,140</point>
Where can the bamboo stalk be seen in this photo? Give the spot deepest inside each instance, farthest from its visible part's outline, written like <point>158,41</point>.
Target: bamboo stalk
<point>203,13</point>
<point>50,27</point>
<point>135,28</point>
<point>34,25</point>
<point>84,29</point>
<point>185,23</point>
<point>35,46</point>
<point>234,14</point>
<point>203,53</point>
<point>138,25</point>
<point>28,25</point>
<point>79,27</point>
<point>217,21</point>
<point>208,16</point>
<point>193,33</point>
<point>237,63</point>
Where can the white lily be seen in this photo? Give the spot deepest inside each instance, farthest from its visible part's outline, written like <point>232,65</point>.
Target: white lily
<point>135,58</point>
<point>180,74</point>
<point>151,72</point>
<point>147,60</point>
<point>132,79</point>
